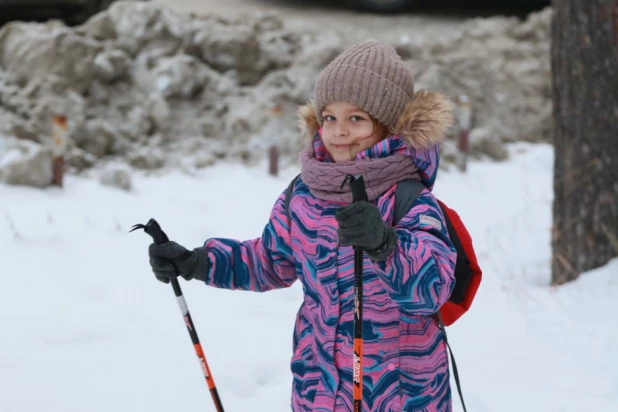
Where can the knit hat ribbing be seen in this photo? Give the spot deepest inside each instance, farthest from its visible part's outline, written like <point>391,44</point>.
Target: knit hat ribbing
<point>369,75</point>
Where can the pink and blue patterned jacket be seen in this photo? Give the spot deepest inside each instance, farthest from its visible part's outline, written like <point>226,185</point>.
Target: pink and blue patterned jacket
<point>405,365</point>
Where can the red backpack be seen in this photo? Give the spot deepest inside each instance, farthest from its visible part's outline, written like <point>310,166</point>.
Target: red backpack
<point>468,274</point>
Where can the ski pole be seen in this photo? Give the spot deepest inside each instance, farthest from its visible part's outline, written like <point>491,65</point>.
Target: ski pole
<point>154,230</point>
<point>357,186</point>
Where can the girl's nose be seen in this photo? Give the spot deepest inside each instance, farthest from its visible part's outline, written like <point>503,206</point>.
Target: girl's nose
<point>341,131</point>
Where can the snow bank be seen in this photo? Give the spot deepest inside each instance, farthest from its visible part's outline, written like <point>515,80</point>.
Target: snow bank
<point>25,163</point>
<point>153,87</point>
<point>502,64</point>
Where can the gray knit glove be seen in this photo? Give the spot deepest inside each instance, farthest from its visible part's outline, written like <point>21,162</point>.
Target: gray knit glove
<point>361,224</point>
<point>190,264</point>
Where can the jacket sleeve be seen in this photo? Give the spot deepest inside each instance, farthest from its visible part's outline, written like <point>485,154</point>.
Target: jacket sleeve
<point>419,275</point>
<point>258,265</point>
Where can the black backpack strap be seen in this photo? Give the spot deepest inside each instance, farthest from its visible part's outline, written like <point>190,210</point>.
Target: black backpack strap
<point>288,198</point>
<point>405,195</point>
<point>438,318</point>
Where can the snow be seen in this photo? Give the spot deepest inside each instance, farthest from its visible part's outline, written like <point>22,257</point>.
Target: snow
<point>86,327</point>
<point>10,157</point>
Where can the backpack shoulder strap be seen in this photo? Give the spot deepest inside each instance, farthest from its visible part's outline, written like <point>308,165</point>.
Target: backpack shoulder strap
<point>438,318</point>
<point>288,198</point>
<point>405,195</point>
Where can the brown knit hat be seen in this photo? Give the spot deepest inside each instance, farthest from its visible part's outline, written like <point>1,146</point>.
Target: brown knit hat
<point>369,75</point>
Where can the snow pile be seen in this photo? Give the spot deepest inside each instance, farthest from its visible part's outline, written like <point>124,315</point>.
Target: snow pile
<point>86,327</point>
<point>25,163</point>
<point>117,176</point>
<point>153,87</point>
<point>503,65</point>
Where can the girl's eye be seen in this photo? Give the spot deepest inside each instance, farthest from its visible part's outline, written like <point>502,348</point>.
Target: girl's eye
<point>329,118</point>
<point>356,118</point>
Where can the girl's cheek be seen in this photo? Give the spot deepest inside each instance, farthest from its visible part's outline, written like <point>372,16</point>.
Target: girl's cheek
<point>364,129</point>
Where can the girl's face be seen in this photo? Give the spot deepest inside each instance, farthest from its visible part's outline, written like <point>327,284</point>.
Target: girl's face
<point>347,130</point>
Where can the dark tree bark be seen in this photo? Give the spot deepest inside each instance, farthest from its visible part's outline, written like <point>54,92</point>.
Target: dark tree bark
<point>585,96</point>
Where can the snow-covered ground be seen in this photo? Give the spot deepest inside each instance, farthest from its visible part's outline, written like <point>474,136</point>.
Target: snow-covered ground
<point>84,326</point>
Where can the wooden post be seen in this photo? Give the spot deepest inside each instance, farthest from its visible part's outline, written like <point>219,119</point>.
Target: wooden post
<point>273,157</point>
<point>465,118</point>
<point>274,150</point>
<point>60,133</point>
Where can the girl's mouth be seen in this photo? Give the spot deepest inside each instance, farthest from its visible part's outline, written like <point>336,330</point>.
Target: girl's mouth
<point>342,146</point>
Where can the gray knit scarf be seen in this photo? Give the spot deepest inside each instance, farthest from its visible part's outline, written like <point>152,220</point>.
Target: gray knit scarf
<point>380,174</point>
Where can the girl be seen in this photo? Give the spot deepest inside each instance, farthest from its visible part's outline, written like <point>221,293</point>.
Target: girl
<point>366,120</point>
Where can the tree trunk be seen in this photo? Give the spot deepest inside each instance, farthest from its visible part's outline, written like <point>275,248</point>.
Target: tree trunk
<point>585,96</point>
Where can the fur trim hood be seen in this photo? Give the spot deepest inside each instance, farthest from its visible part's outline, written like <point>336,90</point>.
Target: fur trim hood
<point>423,123</point>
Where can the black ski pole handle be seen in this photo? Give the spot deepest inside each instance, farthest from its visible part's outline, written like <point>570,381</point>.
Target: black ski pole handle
<point>154,230</point>
<point>357,186</point>
<point>158,236</point>
<point>358,189</point>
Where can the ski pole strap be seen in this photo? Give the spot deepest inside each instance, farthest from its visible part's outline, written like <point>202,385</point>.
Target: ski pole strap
<point>438,318</point>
